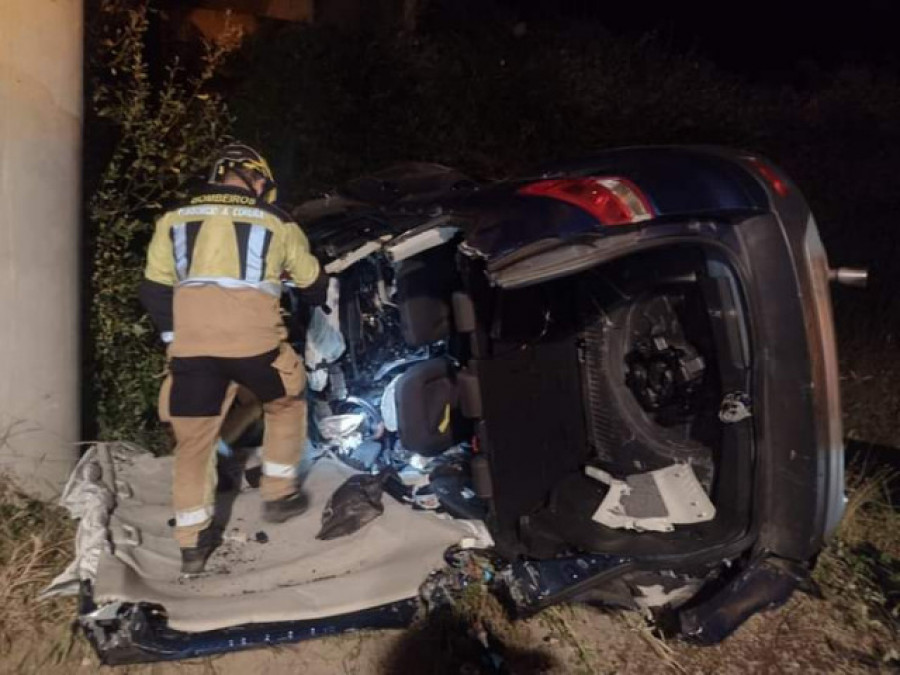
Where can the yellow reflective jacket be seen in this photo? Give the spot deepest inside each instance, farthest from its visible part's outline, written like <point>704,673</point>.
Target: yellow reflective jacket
<point>214,269</point>
<point>228,237</point>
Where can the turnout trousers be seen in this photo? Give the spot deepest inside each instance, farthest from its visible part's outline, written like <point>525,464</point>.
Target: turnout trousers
<point>199,393</point>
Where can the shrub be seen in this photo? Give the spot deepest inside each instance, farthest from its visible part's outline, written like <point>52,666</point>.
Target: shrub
<point>161,131</point>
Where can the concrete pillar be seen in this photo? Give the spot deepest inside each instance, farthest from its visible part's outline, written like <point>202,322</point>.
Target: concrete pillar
<point>40,202</point>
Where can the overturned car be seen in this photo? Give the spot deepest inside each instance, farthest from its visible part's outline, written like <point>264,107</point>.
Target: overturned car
<point>613,381</point>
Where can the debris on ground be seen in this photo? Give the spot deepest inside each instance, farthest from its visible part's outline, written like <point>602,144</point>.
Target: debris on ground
<point>354,504</point>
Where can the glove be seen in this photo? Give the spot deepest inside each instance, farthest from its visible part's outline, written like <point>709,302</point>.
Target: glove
<point>316,294</point>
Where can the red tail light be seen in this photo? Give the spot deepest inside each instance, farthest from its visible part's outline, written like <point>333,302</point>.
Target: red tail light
<point>612,201</point>
<point>769,175</point>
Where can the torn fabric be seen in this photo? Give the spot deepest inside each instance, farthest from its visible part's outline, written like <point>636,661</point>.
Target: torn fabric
<point>324,340</point>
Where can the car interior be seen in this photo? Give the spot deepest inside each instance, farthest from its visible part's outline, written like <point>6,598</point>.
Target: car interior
<point>624,368</point>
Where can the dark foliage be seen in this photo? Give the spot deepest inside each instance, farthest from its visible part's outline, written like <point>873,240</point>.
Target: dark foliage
<point>495,98</point>
<point>154,135</point>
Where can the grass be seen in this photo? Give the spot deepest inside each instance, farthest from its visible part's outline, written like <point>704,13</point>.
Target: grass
<point>556,617</point>
<point>870,517</point>
<point>860,571</point>
<point>36,542</point>
<point>857,586</point>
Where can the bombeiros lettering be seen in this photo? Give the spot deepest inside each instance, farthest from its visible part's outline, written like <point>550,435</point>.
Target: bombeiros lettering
<point>224,199</point>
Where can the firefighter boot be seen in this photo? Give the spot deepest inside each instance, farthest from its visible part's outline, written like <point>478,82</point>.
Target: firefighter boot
<point>193,560</point>
<point>280,510</point>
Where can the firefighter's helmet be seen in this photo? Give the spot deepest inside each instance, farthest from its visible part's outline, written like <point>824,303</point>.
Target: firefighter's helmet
<point>246,163</point>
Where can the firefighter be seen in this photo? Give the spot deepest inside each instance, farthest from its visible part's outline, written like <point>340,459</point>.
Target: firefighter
<point>212,285</point>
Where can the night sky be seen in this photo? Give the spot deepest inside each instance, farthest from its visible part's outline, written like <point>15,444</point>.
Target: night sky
<point>767,40</point>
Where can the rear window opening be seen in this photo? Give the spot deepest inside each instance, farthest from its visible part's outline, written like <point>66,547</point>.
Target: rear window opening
<point>614,372</point>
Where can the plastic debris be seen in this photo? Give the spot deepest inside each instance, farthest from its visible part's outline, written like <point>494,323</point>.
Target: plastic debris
<point>335,427</point>
<point>324,340</point>
<point>735,408</point>
<point>655,501</point>
<point>389,405</point>
<point>342,432</point>
<point>354,504</point>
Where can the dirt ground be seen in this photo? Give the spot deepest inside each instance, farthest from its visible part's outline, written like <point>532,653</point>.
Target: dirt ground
<point>849,630</point>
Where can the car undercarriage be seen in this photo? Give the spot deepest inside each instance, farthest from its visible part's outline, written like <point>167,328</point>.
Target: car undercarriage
<point>562,411</point>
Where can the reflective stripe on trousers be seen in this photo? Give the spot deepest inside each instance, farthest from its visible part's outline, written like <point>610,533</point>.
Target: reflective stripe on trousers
<point>279,470</point>
<point>193,517</point>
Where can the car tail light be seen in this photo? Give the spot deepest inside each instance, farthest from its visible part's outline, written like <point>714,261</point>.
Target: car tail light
<point>612,201</point>
<point>769,175</point>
